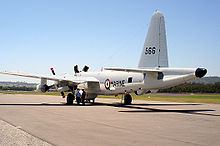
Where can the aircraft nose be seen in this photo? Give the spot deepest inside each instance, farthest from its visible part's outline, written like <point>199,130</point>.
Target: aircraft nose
<point>200,72</point>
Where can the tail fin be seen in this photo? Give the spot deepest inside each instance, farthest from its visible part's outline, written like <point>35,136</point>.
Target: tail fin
<point>154,53</point>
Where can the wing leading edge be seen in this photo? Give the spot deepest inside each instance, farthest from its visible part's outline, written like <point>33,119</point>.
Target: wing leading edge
<point>73,79</point>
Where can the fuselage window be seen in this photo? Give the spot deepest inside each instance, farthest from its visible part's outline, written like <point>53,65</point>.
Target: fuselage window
<point>130,80</point>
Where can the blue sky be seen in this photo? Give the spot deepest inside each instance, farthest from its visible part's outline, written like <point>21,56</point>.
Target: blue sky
<point>38,34</point>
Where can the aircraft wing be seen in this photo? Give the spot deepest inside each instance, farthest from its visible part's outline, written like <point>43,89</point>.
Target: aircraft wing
<point>137,70</point>
<point>72,79</point>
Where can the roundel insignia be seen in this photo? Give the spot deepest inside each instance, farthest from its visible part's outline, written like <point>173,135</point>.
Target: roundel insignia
<point>107,84</point>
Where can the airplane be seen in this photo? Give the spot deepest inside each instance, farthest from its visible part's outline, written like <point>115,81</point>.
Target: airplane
<point>152,73</point>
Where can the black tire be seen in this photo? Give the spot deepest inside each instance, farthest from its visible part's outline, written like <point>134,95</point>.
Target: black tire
<point>69,99</point>
<point>127,99</point>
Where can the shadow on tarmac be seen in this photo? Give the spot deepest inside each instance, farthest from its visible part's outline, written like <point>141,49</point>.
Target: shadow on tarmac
<point>136,107</point>
<point>116,104</point>
<point>156,110</point>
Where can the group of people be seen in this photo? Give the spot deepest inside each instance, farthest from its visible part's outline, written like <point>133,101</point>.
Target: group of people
<point>80,96</point>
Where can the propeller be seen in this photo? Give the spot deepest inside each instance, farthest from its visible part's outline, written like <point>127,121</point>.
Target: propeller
<point>76,69</point>
<point>85,68</point>
<point>55,85</point>
<point>52,70</point>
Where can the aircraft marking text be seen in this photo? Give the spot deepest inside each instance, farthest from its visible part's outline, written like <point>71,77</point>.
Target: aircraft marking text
<point>150,50</point>
<point>118,83</point>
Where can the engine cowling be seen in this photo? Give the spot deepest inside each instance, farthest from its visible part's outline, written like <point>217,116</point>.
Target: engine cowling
<point>140,92</point>
<point>63,89</point>
<point>42,88</point>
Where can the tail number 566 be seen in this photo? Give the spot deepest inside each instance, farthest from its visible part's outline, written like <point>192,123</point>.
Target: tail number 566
<point>150,50</point>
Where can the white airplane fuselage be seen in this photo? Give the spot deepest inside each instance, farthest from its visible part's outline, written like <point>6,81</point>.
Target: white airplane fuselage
<point>127,82</point>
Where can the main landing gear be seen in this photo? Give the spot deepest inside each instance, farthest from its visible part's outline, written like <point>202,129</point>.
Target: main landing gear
<point>70,98</point>
<point>127,99</point>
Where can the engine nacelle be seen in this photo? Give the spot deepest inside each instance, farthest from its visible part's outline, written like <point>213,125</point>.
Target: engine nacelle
<point>63,89</point>
<point>42,88</point>
<point>140,92</point>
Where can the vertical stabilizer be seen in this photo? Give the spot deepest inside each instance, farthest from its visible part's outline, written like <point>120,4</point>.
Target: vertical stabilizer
<point>154,53</point>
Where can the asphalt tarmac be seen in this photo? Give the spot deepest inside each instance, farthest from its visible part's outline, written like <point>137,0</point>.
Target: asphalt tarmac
<point>46,120</point>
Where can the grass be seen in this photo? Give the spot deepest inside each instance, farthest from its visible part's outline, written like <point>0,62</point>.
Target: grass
<point>28,92</point>
<point>195,98</point>
<point>192,98</point>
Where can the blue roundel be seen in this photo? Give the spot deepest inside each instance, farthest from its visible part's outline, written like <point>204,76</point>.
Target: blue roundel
<point>107,84</point>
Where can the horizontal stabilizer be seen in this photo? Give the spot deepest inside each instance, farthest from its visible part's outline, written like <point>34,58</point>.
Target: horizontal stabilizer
<point>137,70</point>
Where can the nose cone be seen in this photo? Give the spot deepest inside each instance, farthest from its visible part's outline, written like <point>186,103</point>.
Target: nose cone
<point>200,72</point>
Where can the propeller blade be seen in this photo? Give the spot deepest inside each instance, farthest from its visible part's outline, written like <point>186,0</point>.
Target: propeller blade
<point>76,70</point>
<point>52,71</point>
<point>85,68</point>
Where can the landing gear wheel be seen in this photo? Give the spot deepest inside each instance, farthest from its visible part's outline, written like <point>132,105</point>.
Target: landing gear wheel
<point>93,101</point>
<point>127,99</point>
<point>69,99</point>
